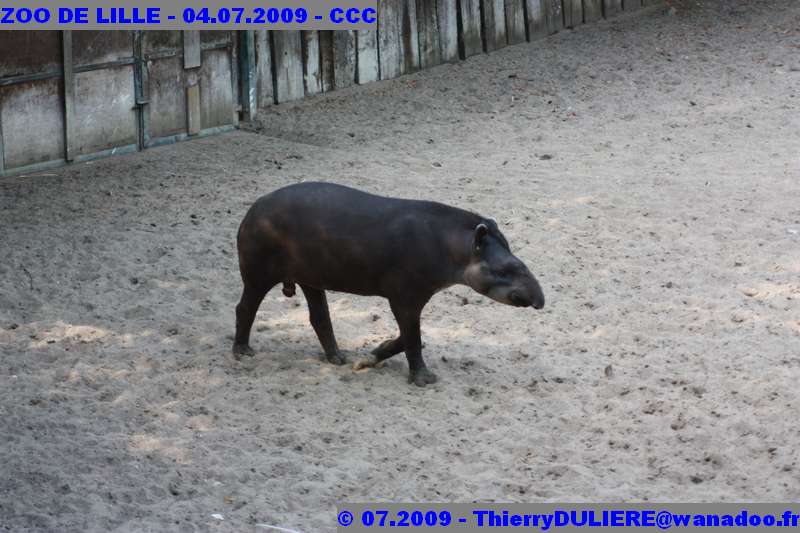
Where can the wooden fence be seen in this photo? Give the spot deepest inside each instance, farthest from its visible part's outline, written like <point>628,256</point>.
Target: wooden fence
<point>411,35</point>
<point>73,96</point>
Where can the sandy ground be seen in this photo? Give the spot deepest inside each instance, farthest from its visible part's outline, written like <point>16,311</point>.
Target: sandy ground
<point>647,169</point>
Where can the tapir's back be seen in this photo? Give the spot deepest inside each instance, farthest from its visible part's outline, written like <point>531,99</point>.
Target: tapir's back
<point>330,199</point>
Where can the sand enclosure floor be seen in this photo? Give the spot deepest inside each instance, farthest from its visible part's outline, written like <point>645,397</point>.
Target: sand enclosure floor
<point>647,169</point>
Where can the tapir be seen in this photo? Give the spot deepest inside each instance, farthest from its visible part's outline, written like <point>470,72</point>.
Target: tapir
<point>328,237</point>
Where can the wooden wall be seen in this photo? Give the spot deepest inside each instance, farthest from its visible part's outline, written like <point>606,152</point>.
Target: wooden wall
<point>71,96</point>
<point>411,35</point>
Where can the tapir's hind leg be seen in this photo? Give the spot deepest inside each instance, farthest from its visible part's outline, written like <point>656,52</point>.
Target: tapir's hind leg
<point>260,271</point>
<point>252,295</point>
<point>321,321</point>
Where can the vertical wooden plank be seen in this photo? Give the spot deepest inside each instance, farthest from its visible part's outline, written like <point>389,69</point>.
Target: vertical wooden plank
<point>494,24</point>
<point>389,38</point>
<point>611,8</point>
<point>427,24</point>
<point>567,10</point>
<point>233,61</point>
<point>447,22</point>
<point>166,86</point>
<point>631,5</point>
<point>344,58</point>
<point>409,37</point>
<point>515,21</point>
<point>193,109</point>
<point>141,82</point>
<point>312,64</point>
<point>2,149</point>
<point>536,22</point>
<point>248,76</point>
<point>470,41</point>
<point>33,117</point>
<point>573,13</point>
<point>287,52</point>
<point>592,10</point>
<point>326,59</point>
<point>398,38</point>
<point>264,82</point>
<point>191,49</point>
<point>554,15</point>
<point>69,94</point>
<point>368,65</point>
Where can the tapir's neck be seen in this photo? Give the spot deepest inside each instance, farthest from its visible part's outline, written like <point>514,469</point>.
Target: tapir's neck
<point>459,248</point>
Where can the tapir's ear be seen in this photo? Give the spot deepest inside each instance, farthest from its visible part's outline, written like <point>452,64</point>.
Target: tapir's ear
<point>481,230</point>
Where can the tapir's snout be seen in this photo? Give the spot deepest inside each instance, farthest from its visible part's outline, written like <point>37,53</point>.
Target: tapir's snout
<point>537,296</point>
<point>519,299</point>
<point>530,296</point>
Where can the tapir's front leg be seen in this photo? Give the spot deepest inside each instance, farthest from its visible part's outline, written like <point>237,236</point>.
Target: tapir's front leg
<point>407,315</point>
<point>384,351</point>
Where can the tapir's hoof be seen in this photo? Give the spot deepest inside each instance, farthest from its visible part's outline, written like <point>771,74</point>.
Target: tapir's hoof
<point>421,377</point>
<point>336,359</point>
<point>242,349</point>
<point>366,362</point>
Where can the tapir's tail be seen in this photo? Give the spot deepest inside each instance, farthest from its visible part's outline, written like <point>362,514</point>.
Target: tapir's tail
<point>288,289</point>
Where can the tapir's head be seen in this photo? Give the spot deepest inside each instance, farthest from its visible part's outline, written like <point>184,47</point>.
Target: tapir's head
<point>495,272</point>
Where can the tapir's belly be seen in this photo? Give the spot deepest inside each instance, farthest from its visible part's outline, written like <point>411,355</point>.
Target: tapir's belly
<point>358,266</point>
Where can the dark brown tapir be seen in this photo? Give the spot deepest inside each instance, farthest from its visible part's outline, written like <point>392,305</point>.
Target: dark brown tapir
<point>323,236</point>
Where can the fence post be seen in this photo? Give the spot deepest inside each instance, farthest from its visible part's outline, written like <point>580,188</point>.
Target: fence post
<point>69,93</point>
<point>247,74</point>
<point>2,150</point>
<point>470,38</point>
